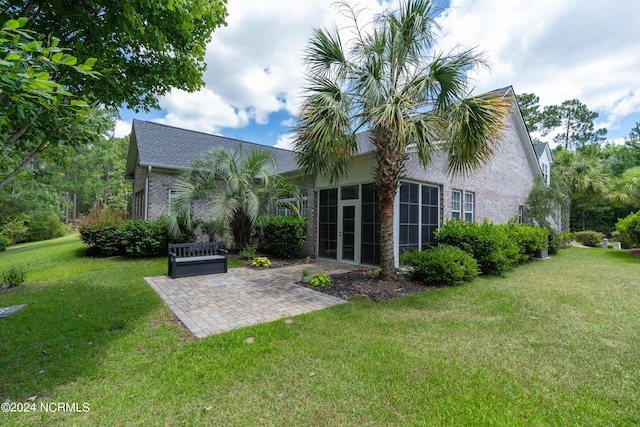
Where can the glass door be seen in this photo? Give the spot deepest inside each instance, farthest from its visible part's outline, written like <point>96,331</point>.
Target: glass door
<point>348,232</point>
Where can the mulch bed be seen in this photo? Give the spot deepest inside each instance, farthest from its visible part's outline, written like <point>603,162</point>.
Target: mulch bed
<point>359,284</point>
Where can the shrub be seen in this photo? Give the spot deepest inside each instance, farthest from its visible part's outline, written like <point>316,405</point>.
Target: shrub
<point>320,279</point>
<point>16,229</point>
<point>101,230</point>
<point>261,261</point>
<point>530,240</point>
<point>283,236</point>
<point>5,242</point>
<point>589,238</point>
<point>248,251</point>
<point>628,230</point>
<point>144,238</point>
<point>14,276</point>
<point>43,227</point>
<point>488,243</point>
<point>443,266</point>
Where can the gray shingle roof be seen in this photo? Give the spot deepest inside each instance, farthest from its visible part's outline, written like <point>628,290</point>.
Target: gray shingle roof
<point>539,148</point>
<point>173,148</point>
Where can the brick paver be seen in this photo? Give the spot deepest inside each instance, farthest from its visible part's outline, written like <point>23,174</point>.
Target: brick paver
<point>215,303</point>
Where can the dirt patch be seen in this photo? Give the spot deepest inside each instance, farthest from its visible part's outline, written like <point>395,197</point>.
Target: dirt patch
<point>359,284</point>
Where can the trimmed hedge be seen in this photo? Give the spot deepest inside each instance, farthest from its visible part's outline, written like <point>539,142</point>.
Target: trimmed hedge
<point>589,238</point>
<point>496,248</point>
<point>443,266</point>
<point>283,236</point>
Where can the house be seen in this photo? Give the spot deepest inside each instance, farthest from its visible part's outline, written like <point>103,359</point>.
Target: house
<point>344,220</point>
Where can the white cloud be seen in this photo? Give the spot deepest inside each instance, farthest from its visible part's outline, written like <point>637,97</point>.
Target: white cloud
<point>285,141</point>
<point>558,50</point>
<point>203,111</point>
<point>122,129</point>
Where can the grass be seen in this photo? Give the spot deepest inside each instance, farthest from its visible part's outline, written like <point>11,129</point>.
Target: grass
<point>551,343</point>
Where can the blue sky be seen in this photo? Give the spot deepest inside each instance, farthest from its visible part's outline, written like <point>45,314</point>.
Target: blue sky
<point>559,50</point>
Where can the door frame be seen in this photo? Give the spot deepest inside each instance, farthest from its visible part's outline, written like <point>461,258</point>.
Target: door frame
<point>357,238</point>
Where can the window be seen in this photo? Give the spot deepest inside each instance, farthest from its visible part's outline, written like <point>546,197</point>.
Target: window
<point>370,247</point>
<point>285,205</point>
<point>456,204</point>
<point>468,206</point>
<point>351,192</point>
<point>409,216</point>
<point>172,195</point>
<point>138,204</point>
<point>419,215</point>
<point>328,223</point>
<point>520,214</point>
<point>544,167</point>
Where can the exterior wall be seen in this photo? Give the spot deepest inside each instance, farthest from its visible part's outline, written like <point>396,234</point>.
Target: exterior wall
<point>307,184</point>
<point>500,187</point>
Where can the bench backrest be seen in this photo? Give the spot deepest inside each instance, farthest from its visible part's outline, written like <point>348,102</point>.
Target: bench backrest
<point>185,250</point>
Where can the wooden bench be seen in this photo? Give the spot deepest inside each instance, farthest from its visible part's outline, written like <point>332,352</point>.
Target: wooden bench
<point>195,259</point>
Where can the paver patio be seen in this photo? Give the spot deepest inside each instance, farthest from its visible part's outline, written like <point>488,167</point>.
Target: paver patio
<point>215,303</point>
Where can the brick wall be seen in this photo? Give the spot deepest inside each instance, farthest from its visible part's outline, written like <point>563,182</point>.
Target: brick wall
<point>500,187</point>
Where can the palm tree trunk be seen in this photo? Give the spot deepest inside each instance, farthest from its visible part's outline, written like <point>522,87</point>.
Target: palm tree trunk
<point>389,169</point>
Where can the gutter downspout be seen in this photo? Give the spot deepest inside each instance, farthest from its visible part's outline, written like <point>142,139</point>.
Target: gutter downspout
<point>146,193</point>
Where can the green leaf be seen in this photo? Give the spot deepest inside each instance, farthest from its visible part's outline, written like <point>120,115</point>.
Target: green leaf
<point>42,75</point>
<point>57,57</point>
<point>69,60</point>
<point>12,57</point>
<point>90,62</point>
<point>12,24</point>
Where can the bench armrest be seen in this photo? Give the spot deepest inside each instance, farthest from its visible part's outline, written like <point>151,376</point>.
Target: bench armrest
<point>224,251</point>
<point>172,256</point>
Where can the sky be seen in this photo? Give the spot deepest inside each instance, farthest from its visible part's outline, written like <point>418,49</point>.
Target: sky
<point>570,49</point>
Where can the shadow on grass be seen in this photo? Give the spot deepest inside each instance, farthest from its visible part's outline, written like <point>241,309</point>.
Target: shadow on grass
<point>623,256</point>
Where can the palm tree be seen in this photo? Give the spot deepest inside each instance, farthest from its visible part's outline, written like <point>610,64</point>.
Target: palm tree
<point>240,186</point>
<point>577,175</point>
<point>626,189</point>
<point>392,83</point>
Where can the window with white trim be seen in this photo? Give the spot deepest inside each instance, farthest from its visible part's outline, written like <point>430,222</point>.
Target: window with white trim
<point>456,204</point>
<point>469,199</point>
<point>544,167</point>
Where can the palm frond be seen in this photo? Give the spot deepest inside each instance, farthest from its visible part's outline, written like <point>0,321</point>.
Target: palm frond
<point>475,125</point>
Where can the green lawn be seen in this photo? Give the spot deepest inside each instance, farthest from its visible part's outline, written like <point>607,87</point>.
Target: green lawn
<point>552,343</point>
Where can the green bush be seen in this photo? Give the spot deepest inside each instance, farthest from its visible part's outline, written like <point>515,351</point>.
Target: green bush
<point>248,251</point>
<point>5,242</point>
<point>628,231</point>
<point>14,276</point>
<point>488,243</point>
<point>530,240</point>
<point>15,229</point>
<point>42,226</point>
<point>443,266</point>
<point>283,236</point>
<point>101,230</point>
<point>144,238</point>
<point>108,233</point>
<point>320,279</point>
<point>589,238</point>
